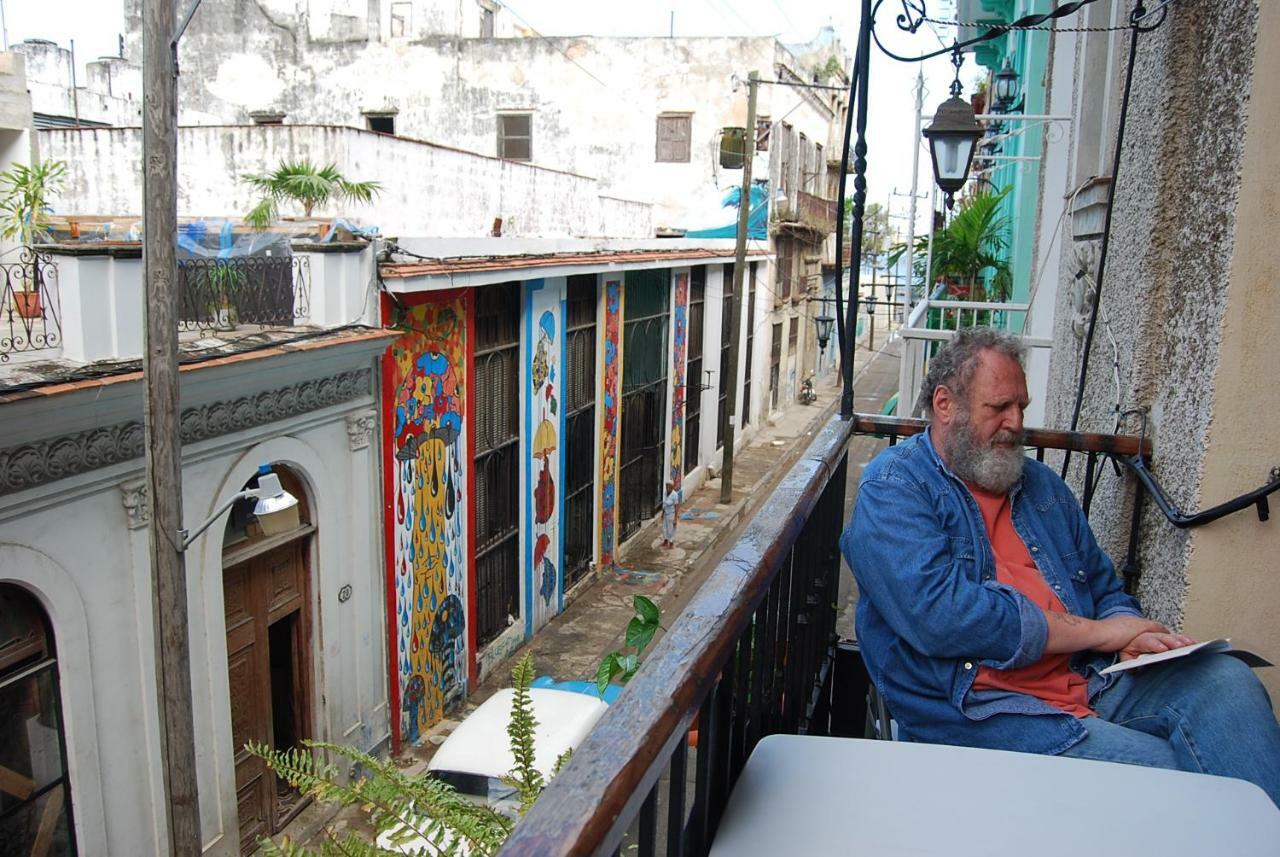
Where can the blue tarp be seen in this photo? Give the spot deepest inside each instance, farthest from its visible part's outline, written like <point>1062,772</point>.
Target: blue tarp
<point>757,219</point>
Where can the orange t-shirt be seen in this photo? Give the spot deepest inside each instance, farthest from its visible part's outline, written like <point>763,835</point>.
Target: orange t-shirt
<point>1051,678</point>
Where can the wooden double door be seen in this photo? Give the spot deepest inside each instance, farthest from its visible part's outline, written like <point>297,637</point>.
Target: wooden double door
<point>268,664</point>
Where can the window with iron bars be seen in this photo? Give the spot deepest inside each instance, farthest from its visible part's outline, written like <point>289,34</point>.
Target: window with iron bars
<point>497,444</point>
<point>580,423</point>
<point>786,263</point>
<point>693,370</point>
<point>775,365</point>
<point>750,323</point>
<point>726,337</point>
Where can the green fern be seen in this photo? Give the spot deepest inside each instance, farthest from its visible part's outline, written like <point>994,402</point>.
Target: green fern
<point>525,777</point>
<point>416,807</point>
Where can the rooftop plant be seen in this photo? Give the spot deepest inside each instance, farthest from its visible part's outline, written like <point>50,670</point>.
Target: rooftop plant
<point>304,183</point>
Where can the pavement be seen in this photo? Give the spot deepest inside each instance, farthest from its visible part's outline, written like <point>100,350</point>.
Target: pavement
<point>594,620</point>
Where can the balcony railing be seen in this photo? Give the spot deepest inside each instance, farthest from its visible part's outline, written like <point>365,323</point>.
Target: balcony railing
<point>225,294</point>
<point>753,654</point>
<point>935,320</point>
<point>818,210</point>
<point>30,318</point>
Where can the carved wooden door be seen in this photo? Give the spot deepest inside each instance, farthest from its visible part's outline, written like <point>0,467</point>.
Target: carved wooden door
<point>265,602</point>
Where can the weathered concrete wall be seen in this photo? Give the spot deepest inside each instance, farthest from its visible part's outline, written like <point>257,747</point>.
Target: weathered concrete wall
<point>110,94</point>
<point>1176,308</point>
<point>427,189</point>
<point>594,101</point>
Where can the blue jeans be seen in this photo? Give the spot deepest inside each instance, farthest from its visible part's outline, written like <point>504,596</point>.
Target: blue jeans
<point>1205,713</point>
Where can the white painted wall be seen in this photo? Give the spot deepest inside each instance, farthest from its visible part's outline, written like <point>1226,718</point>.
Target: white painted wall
<point>69,542</point>
<point>111,91</point>
<point>426,189</point>
<point>594,101</point>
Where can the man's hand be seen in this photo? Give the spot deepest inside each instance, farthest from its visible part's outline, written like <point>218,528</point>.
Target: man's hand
<point>1152,641</point>
<point>1069,633</point>
<point>1117,632</point>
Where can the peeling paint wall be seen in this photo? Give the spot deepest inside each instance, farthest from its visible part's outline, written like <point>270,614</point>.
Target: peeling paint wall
<point>427,189</point>
<point>110,93</point>
<point>594,101</point>
<point>1176,302</point>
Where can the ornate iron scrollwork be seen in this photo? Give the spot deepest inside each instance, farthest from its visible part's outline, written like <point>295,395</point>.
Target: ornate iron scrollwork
<point>913,15</point>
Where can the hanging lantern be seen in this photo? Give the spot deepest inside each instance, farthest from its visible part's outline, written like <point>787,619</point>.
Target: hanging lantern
<point>1006,87</point>
<point>952,136</point>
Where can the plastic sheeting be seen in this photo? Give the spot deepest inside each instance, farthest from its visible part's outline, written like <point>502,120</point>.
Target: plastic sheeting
<point>757,218</point>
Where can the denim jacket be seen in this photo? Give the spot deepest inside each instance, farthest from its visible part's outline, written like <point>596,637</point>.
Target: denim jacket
<point>930,610</point>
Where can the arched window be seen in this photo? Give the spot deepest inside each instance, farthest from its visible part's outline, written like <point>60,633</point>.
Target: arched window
<point>35,792</point>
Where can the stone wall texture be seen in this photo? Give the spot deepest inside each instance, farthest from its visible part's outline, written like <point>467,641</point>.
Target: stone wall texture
<point>1165,292</point>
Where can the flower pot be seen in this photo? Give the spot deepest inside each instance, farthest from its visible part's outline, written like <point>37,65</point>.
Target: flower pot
<point>28,304</point>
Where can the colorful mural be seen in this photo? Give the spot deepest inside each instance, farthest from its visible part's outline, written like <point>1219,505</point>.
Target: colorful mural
<point>544,417</point>
<point>426,380</point>
<point>609,398</point>
<point>680,343</point>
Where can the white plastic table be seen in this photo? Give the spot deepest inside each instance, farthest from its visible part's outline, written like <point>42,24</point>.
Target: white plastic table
<point>846,796</point>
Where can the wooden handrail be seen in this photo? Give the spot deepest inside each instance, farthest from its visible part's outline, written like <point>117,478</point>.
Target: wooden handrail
<point>1109,444</point>
<point>587,807</point>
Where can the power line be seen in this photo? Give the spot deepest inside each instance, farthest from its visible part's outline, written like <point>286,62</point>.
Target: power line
<point>559,49</point>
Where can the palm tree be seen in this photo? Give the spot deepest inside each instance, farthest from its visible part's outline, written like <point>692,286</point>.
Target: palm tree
<point>974,241</point>
<point>302,182</point>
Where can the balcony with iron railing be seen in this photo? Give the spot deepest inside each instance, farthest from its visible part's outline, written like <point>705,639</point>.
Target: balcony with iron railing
<point>221,295</point>
<point>756,654</point>
<point>65,305</point>
<point>30,312</point>
<point>808,214</point>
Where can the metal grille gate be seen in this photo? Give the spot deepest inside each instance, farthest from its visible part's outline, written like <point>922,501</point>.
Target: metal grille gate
<point>646,318</point>
<point>580,426</point>
<point>750,322</point>
<point>497,421</point>
<point>693,374</point>
<point>726,383</point>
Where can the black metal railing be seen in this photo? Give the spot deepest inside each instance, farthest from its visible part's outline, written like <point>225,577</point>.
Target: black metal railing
<point>224,294</point>
<point>30,317</point>
<point>755,653</point>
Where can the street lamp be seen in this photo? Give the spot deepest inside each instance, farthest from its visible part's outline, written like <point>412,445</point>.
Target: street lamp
<point>1006,87</point>
<point>823,324</point>
<point>276,509</point>
<point>952,136</point>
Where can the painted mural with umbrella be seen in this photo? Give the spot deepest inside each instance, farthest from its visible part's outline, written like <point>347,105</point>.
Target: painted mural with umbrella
<point>427,376</point>
<point>543,586</point>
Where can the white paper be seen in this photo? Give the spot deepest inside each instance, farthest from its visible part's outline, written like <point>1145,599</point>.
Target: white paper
<point>1221,645</point>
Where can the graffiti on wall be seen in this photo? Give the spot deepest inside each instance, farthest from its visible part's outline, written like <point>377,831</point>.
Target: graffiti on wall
<point>427,369</point>
<point>609,392</point>
<point>680,342</point>
<point>545,416</point>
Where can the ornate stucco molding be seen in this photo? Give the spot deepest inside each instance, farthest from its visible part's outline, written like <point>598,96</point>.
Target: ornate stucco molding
<point>137,503</point>
<point>360,429</point>
<point>28,465</point>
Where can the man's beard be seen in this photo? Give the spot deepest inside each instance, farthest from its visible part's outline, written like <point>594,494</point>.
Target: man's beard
<point>985,465</point>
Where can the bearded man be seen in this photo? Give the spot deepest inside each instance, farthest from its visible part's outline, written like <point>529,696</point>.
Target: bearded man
<point>986,608</point>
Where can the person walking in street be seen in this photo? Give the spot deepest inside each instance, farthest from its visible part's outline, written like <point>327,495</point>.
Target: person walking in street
<point>670,510</point>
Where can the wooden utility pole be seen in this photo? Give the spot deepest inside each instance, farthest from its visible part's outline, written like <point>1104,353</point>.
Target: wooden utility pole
<point>739,270</point>
<point>164,448</point>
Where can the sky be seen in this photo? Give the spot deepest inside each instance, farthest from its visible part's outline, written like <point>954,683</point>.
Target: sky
<point>95,25</point>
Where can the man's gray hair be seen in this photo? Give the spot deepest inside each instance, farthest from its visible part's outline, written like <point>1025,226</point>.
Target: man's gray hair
<point>954,364</point>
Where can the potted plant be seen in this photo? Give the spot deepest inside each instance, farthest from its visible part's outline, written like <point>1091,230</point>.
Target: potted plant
<point>25,192</point>
<point>224,282</point>
<point>307,185</point>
